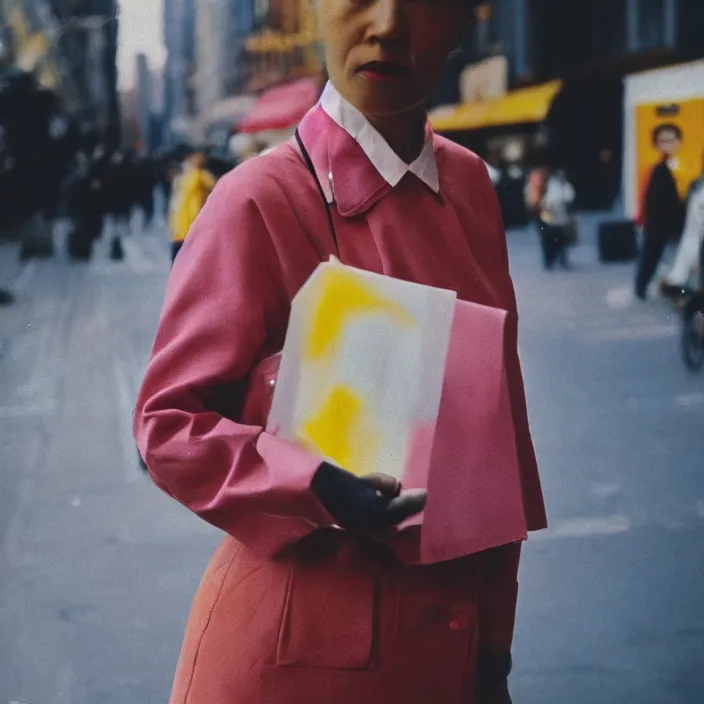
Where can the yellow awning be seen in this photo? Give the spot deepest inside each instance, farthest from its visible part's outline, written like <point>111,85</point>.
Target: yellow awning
<point>525,106</point>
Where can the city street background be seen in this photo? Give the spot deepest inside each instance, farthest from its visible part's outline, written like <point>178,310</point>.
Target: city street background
<point>109,109</point>
<point>98,568</point>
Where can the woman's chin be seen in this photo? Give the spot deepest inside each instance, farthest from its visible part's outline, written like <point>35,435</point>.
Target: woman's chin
<point>383,98</point>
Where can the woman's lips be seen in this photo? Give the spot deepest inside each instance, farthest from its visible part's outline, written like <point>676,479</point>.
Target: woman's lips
<point>383,70</point>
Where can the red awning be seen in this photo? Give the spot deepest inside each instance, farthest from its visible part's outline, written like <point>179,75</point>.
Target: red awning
<point>282,106</point>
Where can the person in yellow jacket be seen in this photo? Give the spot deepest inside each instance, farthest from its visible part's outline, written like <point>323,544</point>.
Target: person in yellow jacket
<point>191,190</point>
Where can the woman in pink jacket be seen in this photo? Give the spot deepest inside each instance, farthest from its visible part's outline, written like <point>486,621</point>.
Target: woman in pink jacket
<point>292,609</point>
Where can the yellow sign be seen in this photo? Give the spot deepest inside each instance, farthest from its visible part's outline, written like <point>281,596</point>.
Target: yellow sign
<point>688,116</point>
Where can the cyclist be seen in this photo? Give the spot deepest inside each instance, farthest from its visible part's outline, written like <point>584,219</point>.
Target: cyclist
<point>675,284</point>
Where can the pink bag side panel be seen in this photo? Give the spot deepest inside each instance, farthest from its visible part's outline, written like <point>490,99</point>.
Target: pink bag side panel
<point>475,500</point>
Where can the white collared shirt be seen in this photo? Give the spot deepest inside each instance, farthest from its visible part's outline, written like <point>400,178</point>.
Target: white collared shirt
<point>385,160</point>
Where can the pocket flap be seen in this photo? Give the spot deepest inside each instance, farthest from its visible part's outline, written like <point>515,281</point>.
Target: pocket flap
<point>329,615</point>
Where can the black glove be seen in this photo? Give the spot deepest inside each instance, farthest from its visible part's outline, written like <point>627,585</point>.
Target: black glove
<point>371,504</point>
<point>492,678</point>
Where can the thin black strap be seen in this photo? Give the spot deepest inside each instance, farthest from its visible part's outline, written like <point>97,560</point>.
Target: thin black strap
<point>311,168</point>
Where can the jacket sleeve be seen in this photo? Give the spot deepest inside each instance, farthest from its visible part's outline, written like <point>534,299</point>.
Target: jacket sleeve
<point>497,613</point>
<point>224,296</point>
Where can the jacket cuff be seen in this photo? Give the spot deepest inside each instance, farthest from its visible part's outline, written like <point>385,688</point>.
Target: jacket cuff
<point>292,469</point>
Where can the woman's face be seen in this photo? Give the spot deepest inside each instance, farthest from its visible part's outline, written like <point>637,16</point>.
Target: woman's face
<point>386,56</point>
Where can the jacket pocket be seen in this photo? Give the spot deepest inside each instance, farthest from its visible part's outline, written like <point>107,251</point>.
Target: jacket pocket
<point>329,618</point>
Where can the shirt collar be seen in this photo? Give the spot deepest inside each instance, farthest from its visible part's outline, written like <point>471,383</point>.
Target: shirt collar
<point>389,165</point>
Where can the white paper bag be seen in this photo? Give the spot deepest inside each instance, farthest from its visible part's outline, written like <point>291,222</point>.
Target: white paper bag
<point>362,370</point>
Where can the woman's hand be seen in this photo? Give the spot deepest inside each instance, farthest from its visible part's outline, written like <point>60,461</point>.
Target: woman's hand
<point>363,505</point>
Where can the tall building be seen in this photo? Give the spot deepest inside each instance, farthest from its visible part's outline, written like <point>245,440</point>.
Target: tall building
<point>221,29</point>
<point>143,100</point>
<point>222,66</point>
<point>179,71</point>
<point>86,44</point>
<point>545,40</point>
<point>71,48</point>
<point>556,72</point>
<point>143,109</point>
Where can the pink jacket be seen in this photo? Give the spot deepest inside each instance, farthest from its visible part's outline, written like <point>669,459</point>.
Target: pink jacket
<point>259,237</point>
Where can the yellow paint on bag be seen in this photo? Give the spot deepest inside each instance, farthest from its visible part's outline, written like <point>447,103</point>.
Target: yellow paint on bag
<point>343,427</point>
<point>344,294</point>
<point>337,431</point>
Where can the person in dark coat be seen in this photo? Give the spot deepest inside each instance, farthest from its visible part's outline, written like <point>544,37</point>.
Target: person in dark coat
<point>663,211</point>
<point>146,183</point>
<point>119,199</point>
<point>168,173</point>
<point>84,207</point>
<point>120,191</point>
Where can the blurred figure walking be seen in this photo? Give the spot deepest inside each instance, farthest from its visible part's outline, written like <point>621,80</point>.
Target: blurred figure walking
<point>119,199</point>
<point>662,211</point>
<point>146,182</point>
<point>169,171</point>
<point>556,219</point>
<point>191,190</point>
<point>84,208</point>
<point>690,252</point>
<point>536,185</point>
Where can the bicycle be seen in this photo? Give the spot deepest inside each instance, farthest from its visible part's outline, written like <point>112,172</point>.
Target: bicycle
<point>690,303</point>
<point>692,339</point>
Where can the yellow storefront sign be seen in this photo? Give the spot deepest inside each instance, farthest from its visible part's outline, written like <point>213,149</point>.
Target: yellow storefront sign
<point>688,116</point>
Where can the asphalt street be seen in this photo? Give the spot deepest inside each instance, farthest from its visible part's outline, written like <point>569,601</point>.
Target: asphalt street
<point>98,568</point>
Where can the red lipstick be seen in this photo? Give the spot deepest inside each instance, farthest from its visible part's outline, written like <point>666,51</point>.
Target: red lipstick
<point>383,70</point>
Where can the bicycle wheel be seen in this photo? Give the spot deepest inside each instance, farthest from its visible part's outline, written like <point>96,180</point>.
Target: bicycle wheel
<point>693,338</point>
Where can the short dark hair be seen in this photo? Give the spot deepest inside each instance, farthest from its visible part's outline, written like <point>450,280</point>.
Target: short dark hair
<point>667,127</point>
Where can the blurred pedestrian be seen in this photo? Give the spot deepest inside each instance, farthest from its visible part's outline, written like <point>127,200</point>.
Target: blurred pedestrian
<point>119,199</point>
<point>536,185</point>
<point>169,171</point>
<point>219,163</point>
<point>84,208</point>
<point>691,247</point>
<point>314,596</point>
<point>513,185</point>
<point>145,182</point>
<point>172,205</point>
<point>556,219</point>
<point>662,211</point>
<point>192,189</point>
